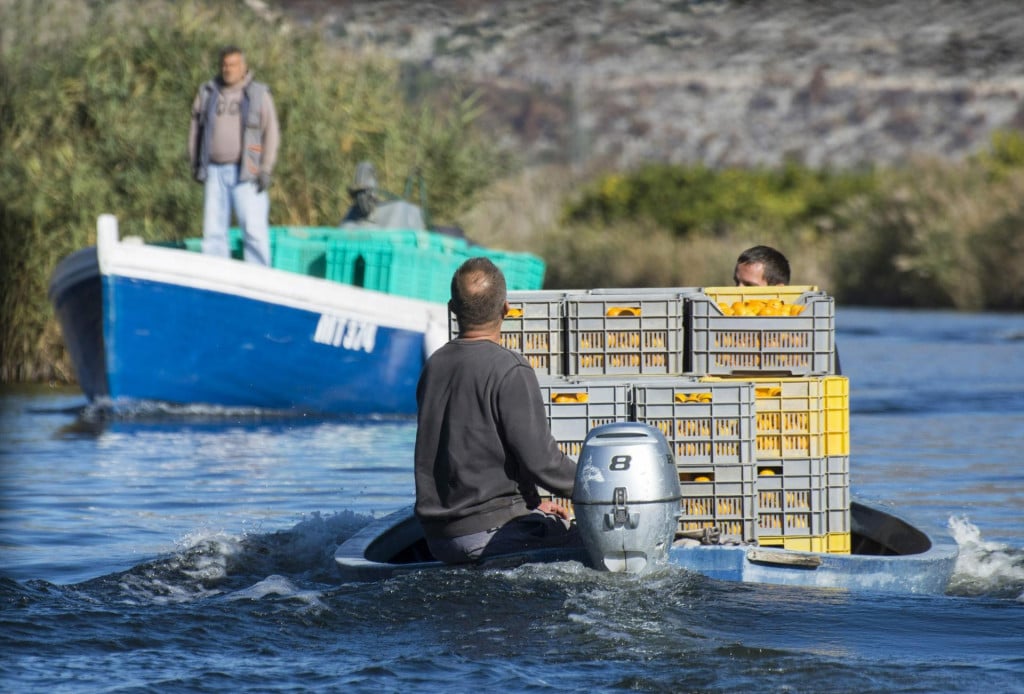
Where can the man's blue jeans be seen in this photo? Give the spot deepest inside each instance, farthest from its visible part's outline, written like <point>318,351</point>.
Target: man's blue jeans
<point>224,194</point>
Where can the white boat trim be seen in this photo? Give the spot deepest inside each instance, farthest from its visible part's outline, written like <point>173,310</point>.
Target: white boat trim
<point>131,258</point>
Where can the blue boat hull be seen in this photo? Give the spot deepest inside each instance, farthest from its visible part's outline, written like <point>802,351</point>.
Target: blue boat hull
<point>152,324</point>
<point>187,345</point>
<point>896,556</point>
<point>903,559</point>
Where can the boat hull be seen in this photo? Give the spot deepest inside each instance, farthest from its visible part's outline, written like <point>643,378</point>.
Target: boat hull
<point>76,293</point>
<point>926,570</point>
<point>394,545</point>
<point>146,323</point>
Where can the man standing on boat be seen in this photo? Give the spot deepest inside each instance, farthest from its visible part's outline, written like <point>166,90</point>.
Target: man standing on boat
<point>483,445</point>
<point>233,143</point>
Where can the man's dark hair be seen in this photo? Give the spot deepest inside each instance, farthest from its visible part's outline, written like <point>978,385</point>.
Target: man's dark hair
<point>478,293</point>
<point>776,267</point>
<point>229,50</point>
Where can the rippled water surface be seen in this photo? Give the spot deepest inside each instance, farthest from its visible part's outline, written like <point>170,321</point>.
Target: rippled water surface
<point>192,551</point>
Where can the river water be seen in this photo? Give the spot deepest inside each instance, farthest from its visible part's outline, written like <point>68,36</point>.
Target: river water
<point>155,550</point>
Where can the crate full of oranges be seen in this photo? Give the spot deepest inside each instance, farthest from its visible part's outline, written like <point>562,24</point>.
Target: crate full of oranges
<point>737,331</point>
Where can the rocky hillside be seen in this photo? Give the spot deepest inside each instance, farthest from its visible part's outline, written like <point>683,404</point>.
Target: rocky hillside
<point>724,82</point>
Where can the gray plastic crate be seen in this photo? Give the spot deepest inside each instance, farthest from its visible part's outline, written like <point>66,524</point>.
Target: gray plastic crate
<point>803,498</point>
<point>720,497</point>
<point>534,327</point>
<point>574,408</point>
<point>658,291</point>
<point>704,423</point>
<point>624,334</point>
<point>796,345</point>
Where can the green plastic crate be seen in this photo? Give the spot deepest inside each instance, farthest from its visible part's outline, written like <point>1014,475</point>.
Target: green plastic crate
<point>302,256</point>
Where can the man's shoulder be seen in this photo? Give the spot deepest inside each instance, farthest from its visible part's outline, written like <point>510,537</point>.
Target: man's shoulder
<point>257,87</point>
<point>483,350</point>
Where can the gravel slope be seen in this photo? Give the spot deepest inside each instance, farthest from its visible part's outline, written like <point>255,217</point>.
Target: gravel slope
<point>830,83</point>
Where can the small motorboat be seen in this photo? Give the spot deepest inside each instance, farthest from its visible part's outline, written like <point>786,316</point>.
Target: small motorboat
<point>622,518</point>
<point>890,554</point>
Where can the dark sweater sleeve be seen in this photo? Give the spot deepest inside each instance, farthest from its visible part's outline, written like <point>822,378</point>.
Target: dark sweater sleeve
<point>528,436</point>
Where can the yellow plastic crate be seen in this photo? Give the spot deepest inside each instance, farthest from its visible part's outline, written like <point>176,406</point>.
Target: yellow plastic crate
<point>806,417</point>
<point>790,293</point>
<point>830,543</point>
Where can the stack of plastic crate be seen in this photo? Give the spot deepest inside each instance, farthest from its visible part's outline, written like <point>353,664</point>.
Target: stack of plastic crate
<point>710,428</point>
<point>782,341</point>
<point>416,263</point>
<point>739,380</point>
<point>803,445</point>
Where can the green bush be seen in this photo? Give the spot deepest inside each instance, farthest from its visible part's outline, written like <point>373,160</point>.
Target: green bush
<point>936,234</point>
<point>690,200</point>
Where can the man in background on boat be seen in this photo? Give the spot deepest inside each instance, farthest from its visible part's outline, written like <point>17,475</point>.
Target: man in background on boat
<point>761,266</point>
<point>372,207</point>
<point>483,445</point>
<point>233,141</point>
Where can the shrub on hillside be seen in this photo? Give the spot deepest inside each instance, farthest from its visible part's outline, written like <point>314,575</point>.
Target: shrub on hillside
<point>698,200</point>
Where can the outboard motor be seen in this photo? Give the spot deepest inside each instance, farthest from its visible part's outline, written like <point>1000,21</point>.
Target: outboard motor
<point>626,496</point>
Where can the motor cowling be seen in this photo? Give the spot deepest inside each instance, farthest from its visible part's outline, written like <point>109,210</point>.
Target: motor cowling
<point>626,496</point>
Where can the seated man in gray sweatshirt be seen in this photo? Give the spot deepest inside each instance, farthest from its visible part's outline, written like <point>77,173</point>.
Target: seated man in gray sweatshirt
<point>483,445</point>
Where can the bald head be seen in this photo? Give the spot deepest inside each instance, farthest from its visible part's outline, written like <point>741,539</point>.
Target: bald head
<point>478,294</point>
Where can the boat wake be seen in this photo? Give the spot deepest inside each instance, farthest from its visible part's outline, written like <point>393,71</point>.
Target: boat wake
<point>297,565</point>
<point>104,412</point>
<point>252,566</point>
<point>104,409</point>
<point>146,416</point>
<point>985,568</point>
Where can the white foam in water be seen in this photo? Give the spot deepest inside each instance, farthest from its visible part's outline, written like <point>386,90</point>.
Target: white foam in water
<point>985,568</point>
<point>207,562</point>
<point>103,408</point>
<point>203,560</point>
<point>278,586</point>
<point>271,585</point>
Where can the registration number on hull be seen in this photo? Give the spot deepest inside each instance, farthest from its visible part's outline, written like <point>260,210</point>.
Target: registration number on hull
<point>346,333</point>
